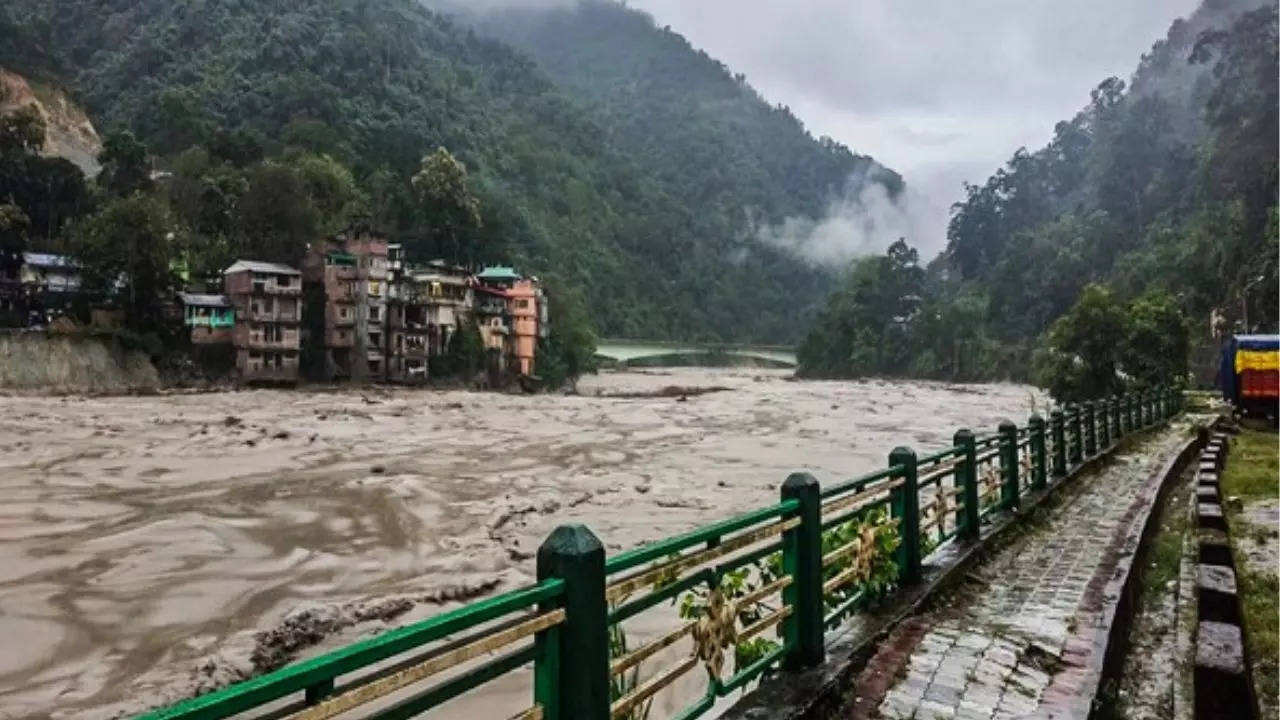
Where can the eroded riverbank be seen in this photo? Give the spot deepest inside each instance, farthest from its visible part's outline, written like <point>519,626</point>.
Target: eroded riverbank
<point>146,542</point>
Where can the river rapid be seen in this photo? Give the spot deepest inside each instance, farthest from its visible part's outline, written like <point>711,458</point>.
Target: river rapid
<point>153,547</point>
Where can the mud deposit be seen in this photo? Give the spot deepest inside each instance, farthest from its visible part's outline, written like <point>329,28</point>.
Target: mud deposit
<point>152,547</point>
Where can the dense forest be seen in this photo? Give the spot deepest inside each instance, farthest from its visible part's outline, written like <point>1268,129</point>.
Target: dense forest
<point>1154,208</point>
<point>642,204</point>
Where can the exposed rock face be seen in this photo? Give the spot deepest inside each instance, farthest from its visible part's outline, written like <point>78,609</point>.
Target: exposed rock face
<point>68,131</point>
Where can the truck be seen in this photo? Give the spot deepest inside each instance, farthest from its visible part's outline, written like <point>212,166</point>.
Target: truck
<point>1250,374</point>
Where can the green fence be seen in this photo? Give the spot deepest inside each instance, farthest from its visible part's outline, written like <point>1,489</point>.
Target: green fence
<point>754,594</point>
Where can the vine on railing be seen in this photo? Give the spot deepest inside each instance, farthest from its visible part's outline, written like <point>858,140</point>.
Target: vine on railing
<point>751,594</point>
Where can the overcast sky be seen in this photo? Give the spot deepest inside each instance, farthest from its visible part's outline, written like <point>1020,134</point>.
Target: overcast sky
<point>940,90</point>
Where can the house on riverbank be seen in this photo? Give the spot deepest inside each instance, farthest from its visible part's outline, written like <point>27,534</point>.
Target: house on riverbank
<point>346,304</point>
<point>267,298</point>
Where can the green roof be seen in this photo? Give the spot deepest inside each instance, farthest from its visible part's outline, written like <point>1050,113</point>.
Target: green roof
<point>499,272</point>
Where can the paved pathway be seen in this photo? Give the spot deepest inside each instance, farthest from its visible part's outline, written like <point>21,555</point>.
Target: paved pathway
<point>1016,640</point>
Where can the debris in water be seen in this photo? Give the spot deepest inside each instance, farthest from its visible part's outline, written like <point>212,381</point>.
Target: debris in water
<point>378,469</point>
<point>231,421</point>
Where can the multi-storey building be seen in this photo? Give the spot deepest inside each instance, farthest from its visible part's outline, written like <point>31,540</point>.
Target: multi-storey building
<point>268,315</point>
<point>524,301</point>
<point>346,297</point>
<point>512,314</point>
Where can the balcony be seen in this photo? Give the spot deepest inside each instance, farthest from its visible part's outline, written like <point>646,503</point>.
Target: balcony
<point>277,316</point>
<point>259,342</point>
<point>273,288</point>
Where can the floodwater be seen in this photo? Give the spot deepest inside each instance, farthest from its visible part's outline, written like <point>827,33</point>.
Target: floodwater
<point>152,547</point>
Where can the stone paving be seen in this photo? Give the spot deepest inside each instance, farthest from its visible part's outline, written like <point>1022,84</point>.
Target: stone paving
<point>993,651</point>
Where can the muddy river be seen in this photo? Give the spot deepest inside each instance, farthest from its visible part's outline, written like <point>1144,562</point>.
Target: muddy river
<point>151,547</point>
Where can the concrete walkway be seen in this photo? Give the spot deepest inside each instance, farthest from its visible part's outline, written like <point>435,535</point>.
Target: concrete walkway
<point>1024,636</point>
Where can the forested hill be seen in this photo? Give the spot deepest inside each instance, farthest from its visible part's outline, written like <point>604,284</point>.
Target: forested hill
<point>1162,191</point>
<point>685,117</point>
<point>656,235</point>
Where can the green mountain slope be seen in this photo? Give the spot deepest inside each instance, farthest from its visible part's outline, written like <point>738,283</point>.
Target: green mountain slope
<point>378,84</point>
<point>1163,187</point>
<point>683,116</point>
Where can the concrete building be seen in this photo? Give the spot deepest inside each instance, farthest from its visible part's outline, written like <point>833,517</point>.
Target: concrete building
<point>524,302</point>
<point>495,331</point>
<point>406,352</point>
<point>209,317</point>
<point>267,298</point>
<point>346,297</point>
<point>513,317</point>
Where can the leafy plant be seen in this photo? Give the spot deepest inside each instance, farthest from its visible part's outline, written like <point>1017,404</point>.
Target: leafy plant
<point>879,577</point>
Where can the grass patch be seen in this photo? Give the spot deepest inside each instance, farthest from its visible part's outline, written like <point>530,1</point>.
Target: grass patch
<point>1163,562</point>
<point>1252,466</point>
<point>1251,474</point>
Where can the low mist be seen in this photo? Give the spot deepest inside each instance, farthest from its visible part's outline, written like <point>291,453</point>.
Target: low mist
<point>865,220</point>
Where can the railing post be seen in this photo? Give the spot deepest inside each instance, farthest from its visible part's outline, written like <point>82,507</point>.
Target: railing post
<point>905,505</point>
<point>1009,464</point>
<point>1090,430</point>
<point>1056,426</point>
<point>1104,423</point>
<point>571,678</point>
<point>1077,437</point>
<point>1116,428</point>
<point>969,518</point>
<point>321,690</point>
<point>1129,424</point>
<point>1038,459</point>
<point>802,560</point>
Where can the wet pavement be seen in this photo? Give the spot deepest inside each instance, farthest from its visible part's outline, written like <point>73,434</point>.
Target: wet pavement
<point>1013,640</point>
<point>154,547</point>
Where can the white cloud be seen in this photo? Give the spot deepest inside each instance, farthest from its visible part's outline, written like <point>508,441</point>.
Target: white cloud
<point>862,222</point>
<point>940,90</point>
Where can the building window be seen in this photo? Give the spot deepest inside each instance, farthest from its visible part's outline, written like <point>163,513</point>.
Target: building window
<point>375,313</point>
<point>522,304</point>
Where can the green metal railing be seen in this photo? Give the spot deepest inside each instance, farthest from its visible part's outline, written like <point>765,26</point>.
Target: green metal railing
<point>755,593</point>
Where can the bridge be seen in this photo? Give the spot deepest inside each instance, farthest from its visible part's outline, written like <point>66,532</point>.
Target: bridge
<point>626,351</point>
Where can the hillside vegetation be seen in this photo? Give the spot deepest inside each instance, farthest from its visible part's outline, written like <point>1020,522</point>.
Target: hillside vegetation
<point>1161,191</point>
<point>650,222</point>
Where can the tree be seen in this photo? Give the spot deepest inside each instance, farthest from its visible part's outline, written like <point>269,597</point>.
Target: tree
<point>13,239</point>
<point>125,250</point>
<point>331,190</point>
<point>569,350</point>
<point>872,324</point>
<point>276,214</point>
<point>124,163</point>
<point>1080,357</point>
<point>1156,343</point>
<point>445,199</point>
<point>21,133</point>
<point>49,191</point>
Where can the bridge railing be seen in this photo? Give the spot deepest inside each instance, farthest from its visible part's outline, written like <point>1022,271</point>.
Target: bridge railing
<point>754,594</point>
